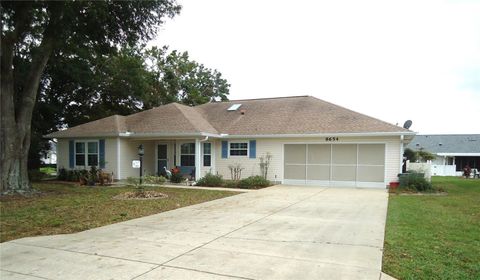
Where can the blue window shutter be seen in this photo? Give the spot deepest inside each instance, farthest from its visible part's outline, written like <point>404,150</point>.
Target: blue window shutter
<point>101,151</point>
<point>71,154</point>
<point>253,149</point>
<point>224,149</point>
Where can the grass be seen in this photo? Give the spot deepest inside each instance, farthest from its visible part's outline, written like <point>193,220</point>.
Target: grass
<point>48,170</point>
<point>63,208</point>
<point>434,236</point>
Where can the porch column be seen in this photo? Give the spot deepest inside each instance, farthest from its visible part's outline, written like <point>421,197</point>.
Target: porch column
<point>198,154</point>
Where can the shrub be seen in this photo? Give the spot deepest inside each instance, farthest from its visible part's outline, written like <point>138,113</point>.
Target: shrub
<point>176,178</point>
<point>133,181</point>
<point>231,184</point>
<point>254,182</point>
<point>157,180</point>
<point>414,181</point>
<point>92,176</point>
<point>210,180</point>
<point>35,175</point>
<point>62,174</point>
<point>72,175</point>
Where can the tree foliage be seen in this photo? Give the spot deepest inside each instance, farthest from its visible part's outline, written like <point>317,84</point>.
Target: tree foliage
<point>415,156</point>
<point>33,31</point>
<point>179,79</point>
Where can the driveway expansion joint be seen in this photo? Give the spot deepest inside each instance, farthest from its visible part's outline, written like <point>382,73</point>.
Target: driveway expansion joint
<point>305,241</point>
<point>84,253</point>
<point>287,258</point>
<point>19,273</point>
<point>266,216</point>
<point>213,273</point>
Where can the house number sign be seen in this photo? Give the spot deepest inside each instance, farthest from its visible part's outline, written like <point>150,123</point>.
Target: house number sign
<point>331,139</point>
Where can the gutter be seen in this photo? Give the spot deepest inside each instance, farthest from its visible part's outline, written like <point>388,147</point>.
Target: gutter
<point>460,154</point>
<point>226,136</point>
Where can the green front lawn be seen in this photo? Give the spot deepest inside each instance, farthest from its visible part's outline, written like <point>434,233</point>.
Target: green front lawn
<point>63,208</point>
<point>433,236</point>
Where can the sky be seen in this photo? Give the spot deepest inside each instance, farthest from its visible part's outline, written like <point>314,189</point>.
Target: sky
<point>392,60</point>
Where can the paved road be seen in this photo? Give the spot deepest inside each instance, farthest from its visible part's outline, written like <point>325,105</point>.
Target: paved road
<point>282,232</point>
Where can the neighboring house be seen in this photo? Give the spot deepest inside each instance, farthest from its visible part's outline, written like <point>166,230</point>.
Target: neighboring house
<point>453,152</point>
<point>50,156</point>
<point>311,141</point>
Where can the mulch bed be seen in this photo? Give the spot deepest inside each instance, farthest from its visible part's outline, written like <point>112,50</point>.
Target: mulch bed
<point>141,195</point>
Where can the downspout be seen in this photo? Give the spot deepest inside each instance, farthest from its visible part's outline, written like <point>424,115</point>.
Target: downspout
<point>401,154</point>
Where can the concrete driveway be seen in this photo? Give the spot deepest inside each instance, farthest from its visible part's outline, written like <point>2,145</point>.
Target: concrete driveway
<point>282,232</point>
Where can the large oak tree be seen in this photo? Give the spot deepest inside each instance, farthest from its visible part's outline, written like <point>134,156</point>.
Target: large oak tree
<point>31,32</point>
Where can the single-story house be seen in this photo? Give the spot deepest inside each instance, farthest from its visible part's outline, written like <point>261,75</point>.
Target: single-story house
<point>453,152</point>
<point>311,142</point>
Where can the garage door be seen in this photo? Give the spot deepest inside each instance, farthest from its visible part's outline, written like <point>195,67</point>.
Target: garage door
<point>361,165</point>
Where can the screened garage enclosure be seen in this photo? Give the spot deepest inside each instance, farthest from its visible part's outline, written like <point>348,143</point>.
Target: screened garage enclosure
<point>340,165</point>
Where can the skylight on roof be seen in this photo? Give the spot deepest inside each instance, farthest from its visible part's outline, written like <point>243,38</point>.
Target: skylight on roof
<point>234,107</point>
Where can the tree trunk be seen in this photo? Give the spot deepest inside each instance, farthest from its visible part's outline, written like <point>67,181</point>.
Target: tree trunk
<point>17,107</point>
<point>14,173</point>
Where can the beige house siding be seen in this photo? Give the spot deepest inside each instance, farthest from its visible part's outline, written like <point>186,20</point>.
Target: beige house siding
<point>110,154</point>
<point>275,147</point>
<point>129,152</point>
<point>62,153</point>
<point>119,158</point>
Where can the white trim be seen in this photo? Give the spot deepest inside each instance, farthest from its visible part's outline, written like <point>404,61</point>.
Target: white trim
<point>460,154</point>
<point>239,156</point>
<point>203,154</point>
<point>401,154</point>
<point>119,177</point>
<point>222,135</point>
<point>179,150</point>
<point>306,135</point>
<point>86,141</point>
<point>198,152</point>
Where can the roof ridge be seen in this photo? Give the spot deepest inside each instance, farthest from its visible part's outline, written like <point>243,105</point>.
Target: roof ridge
<point>265,98</point>
<point>180,108</point>
<point>350,110</point>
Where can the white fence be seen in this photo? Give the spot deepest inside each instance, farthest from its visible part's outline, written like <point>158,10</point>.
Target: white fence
<point>444,170</point>
<point>421,167</point>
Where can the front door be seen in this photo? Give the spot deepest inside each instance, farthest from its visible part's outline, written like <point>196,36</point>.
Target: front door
<point>161,159</point>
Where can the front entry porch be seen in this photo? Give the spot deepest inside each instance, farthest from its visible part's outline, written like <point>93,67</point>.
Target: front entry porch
<point>193,157</point>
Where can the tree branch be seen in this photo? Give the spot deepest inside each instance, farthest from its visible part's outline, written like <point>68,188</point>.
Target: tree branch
<point>39,61</point>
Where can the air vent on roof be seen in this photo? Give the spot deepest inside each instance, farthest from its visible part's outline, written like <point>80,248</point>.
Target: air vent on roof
<point>234,107</point>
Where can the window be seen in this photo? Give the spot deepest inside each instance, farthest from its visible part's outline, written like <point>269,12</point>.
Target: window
<point>187,154</point>
<point>86,157</point>
<point>238,149</point>
<point>80,154</point>
<point>207,154</point>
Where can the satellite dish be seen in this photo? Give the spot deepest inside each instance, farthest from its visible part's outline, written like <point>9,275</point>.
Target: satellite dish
<point>407,124</point>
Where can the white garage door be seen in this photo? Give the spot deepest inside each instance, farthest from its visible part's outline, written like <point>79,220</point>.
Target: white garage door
<point>361,165</point>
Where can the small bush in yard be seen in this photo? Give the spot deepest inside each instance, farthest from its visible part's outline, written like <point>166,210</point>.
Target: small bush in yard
<point>254,182</point>
<point>231,184</point>
<point>157,180</point>
<point>62,174</point>
<point>210,180</point>
<point>133,181</point>
<point>415,181</point>
<point>176,178</point>
<point>35,175</point>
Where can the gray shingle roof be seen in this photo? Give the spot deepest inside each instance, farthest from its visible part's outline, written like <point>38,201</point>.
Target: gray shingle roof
<point>290,115</point>
<point>270,116</point>
<point>446,143</point>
